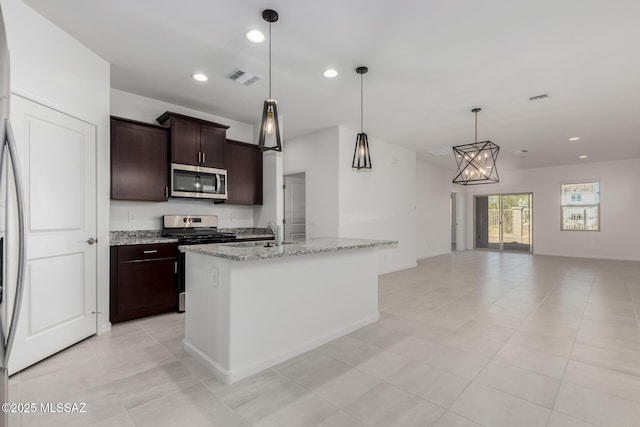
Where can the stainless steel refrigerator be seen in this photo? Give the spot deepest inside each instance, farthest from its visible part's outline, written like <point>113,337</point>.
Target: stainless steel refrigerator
<point>12,227</point>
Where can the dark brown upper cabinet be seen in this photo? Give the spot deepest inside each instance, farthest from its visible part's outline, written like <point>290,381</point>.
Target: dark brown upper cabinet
<point>194,141</point>
<point>244,173</point>
<point>139,167</point>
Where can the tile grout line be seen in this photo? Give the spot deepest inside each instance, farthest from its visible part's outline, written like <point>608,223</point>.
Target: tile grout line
<point>111,382</point>
<point>199,381</point>
<point>591,293</point>
<point>223,402</point>
<point>115,391</point>
<point>635,307</point>
<point>596,366</point>
<point>493,359</point>
<point>573,347</point>
<point>471,381</point>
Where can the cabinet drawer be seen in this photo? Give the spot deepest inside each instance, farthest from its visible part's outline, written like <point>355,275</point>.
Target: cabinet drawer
<point>144,252</point>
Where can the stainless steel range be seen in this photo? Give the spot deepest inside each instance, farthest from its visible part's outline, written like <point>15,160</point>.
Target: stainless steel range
<point>192,230</point>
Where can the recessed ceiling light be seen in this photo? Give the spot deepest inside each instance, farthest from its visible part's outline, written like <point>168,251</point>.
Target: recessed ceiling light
<point>254,36</point>
<point>330,73</point>
<point>199,77</point>
<point>584,156</point>
<point>574,138</point>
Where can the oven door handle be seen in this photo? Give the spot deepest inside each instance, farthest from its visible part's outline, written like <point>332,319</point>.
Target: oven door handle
<point>218,184</point>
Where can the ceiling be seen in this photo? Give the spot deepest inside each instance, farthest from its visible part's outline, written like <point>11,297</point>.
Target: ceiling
<point>430,62</point>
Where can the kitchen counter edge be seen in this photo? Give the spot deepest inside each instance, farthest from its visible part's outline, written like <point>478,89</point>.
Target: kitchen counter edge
<point>255,252</point>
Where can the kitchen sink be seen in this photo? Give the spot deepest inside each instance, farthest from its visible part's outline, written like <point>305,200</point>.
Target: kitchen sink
<point>271,244</point>
<point>267,244</point>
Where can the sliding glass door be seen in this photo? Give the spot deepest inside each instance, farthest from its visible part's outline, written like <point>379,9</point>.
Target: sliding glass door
<point>503,222</point>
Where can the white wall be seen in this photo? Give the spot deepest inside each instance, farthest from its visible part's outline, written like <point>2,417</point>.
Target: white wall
<point>51,68</point>
<point>433,195</point>
<point>136,107</point>
<point>370,204</point>
<point>317,156</point>
<point>619,237</point>
<point>127,215</point>
<point>272,208</point>
<point>148,215</point>
<point>379,203</point>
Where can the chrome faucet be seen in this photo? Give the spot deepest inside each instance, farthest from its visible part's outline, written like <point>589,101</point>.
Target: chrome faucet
<point>275,229</point>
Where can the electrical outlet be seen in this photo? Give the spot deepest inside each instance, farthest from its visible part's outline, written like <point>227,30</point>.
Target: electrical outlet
<point>131,217</point>
<point>215,277</point>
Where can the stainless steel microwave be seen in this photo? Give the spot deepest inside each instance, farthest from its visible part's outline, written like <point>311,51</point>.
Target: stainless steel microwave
<point>198,182</point>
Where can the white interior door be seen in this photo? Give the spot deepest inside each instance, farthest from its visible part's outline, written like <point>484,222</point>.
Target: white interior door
<point>294,207</point>
<point>58,160</point>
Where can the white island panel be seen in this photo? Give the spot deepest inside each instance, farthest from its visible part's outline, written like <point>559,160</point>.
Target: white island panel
<point>264,312</point>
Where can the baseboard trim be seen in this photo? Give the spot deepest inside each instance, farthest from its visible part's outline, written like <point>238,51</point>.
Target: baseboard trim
<point>393,270</point>
<point>608,258</point>
<point>231,376</point>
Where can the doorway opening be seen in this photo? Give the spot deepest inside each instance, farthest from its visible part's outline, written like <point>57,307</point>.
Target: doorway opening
<point>295,225</point>
<point>503,222</point>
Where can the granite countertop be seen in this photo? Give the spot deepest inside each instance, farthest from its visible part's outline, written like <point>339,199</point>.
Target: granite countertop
<point>146,237</point>
<point>249,233</point>
<point>252,251</point>
<point>138,237</point>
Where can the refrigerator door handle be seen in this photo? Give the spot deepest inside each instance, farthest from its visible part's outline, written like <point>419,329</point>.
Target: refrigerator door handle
<point>3,133</point>
<point>13,156</point>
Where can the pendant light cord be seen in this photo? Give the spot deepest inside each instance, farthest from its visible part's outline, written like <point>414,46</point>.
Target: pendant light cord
<point>361,104</point>
<point>476,127</point>
<point>269,60</point>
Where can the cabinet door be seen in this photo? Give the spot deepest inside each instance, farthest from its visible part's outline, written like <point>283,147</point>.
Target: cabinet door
<point>212,146</point>
<point>139,166</point>
<point>244,173</point>
<point>143,286</point>
<point>185,142</point>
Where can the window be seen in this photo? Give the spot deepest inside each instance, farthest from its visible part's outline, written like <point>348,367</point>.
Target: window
<point>581,206</point>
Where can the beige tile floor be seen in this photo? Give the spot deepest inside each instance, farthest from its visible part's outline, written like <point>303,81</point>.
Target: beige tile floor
<point>468,339</point>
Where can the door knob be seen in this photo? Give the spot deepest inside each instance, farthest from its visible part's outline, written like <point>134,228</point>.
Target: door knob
<point>91,240</point>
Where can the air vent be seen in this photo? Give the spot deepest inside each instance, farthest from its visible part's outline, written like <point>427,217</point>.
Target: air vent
<point>243,77</point>
<point>441,151</point>
<point>542,97</point>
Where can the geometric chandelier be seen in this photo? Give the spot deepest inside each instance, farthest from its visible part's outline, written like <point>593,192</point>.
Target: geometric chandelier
<point>477,161</point>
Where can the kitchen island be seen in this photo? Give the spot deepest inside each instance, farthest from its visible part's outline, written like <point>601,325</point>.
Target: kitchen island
<point>251,305</point>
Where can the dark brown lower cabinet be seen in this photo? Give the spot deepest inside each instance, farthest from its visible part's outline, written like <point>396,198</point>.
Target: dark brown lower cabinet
<point>143,280</point>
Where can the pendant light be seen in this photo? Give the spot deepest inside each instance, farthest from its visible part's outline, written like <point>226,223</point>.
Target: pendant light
<point>361,155</point>
<point>477,161</point>
<point>269,127</point>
